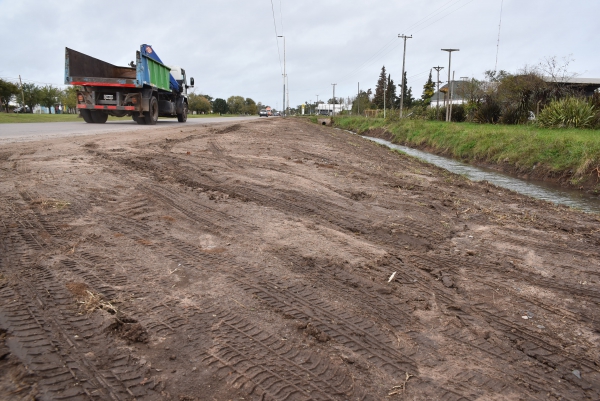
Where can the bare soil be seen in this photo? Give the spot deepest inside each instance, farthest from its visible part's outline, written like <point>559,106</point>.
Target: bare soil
<point>279,260</point>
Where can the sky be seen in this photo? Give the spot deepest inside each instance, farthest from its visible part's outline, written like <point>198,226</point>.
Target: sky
<point>231,47</point>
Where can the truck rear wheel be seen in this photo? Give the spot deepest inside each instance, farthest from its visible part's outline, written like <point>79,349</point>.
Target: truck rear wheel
<point>87,116</point>
<point>99,117</point>
<point>183,116</point>
<point>151,116</point>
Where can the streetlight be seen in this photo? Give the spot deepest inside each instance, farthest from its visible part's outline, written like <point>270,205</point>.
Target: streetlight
<point>449,107</point>
<point>284,109</point>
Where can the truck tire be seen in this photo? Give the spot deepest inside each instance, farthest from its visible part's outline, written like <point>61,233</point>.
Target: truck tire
<point>99,117</point>
<point>87,116</point>
<point>183,116</point>
<point>151,116</point>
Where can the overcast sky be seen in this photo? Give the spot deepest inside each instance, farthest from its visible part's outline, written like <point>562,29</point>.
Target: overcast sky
<point>230,47</point>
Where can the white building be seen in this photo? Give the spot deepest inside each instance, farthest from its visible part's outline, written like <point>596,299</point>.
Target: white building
<point>328,109</point>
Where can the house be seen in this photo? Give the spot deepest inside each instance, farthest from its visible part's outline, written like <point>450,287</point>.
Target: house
<point>459,94</point>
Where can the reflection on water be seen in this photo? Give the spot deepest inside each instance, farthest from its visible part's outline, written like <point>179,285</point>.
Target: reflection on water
<point>535,189</point>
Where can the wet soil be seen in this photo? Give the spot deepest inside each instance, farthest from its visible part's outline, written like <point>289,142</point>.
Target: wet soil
<point>279,260</point>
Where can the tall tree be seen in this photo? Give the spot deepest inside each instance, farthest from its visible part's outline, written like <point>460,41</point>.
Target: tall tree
<point>32,95</point>
<point>49,97</point>
<point>69,98</point>
<point>391,100</point>
<point>235,104</point>
<point>7,91</point>
<point>220,106</point>
<point>407,95</point>
<point>250,106</point>
<point>362,102</point>
<point>428,90</point>
<point>379,88</point>
<point>198,103</point>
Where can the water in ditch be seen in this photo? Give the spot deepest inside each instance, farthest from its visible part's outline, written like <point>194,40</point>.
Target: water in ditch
<point>535,189</point>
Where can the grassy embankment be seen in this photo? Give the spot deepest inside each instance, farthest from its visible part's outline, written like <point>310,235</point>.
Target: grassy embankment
<point>566,155</point>
<point>55,118</point>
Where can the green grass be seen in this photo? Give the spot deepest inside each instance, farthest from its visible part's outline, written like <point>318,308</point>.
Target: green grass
<point>36,118</point>
<point>211,115</point>
<point>61,118</point>
<point>555,151</point>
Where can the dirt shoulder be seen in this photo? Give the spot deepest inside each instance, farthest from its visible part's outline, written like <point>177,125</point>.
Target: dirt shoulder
<point>282,260</point>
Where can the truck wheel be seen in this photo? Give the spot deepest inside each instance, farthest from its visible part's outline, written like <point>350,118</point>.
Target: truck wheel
<point>151,116</point>
<point>183,116</point>
<point>87,116</point>
<point>99,117</point>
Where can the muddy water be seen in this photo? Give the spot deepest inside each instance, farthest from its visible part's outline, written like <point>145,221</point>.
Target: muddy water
<point>535,189</point>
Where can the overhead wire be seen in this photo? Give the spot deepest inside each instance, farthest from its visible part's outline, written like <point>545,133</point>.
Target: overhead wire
<point>276,36</point>
<point>386,49</point>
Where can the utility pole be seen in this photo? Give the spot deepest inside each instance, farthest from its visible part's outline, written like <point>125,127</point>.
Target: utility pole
<point>448,109</point>
<point>283,106</point>
<point>437,112</point>
<point>384,90</point>
<point>402,78</point>
<point>317,110</point>
<point>22,95</point>
<point>451,96</point>
<point>333,105</point>
<point>358,100</point>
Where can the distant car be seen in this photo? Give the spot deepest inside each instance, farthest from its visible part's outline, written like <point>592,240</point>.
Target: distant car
<point>277,114</point>
<point>263,113</point>
<point>22,109</point>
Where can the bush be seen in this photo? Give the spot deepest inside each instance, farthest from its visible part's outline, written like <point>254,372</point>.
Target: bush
<point>488,111</point>
<point>458,113</point>
<point>569,112</point>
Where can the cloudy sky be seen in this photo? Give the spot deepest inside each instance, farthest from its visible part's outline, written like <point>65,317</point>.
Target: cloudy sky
<point>230,47</point>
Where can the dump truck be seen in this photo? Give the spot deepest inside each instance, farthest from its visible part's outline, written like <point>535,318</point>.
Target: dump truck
<point>145,90</point>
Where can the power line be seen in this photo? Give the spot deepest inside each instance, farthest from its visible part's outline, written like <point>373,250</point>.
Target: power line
<point>281,17</point>
<point>386,49</point>
<point>499,27</point>
<point>276,35</point>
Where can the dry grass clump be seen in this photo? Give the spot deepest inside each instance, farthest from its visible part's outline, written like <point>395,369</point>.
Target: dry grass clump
<point>88,300</point>
<point>48,203</point>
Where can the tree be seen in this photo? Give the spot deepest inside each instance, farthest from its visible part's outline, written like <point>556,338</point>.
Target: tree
<point>379,88</point>
<point>32,95</point>
<point>428,90</point>
<point>220,106</point>
<point>69,98</point>
<point>198,103</point>
<point>7,91</point>
<point>362,102</point>
<point>236,104</point>
<point>407,95</point>
<point>391,100</point>
<point>250,106</point>
<point>49,96</point>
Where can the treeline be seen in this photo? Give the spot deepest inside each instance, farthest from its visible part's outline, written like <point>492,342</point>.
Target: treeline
<point>540,95</point>
<point>31,95</point>
<point>205,104</point>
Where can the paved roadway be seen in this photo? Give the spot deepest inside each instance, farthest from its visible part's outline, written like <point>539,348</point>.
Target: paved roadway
<point>21,132</point>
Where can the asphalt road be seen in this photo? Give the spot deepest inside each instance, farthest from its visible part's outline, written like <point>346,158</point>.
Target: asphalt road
<point>22,132</point>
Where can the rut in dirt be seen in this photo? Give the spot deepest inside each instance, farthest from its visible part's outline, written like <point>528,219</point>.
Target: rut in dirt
<point>279,260</point>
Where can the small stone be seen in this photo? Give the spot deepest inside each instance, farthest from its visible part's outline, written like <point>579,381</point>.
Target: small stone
<point>525,317</point>
<point>577,374</point>
<point>539,326</point>
<point>173,357</point>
